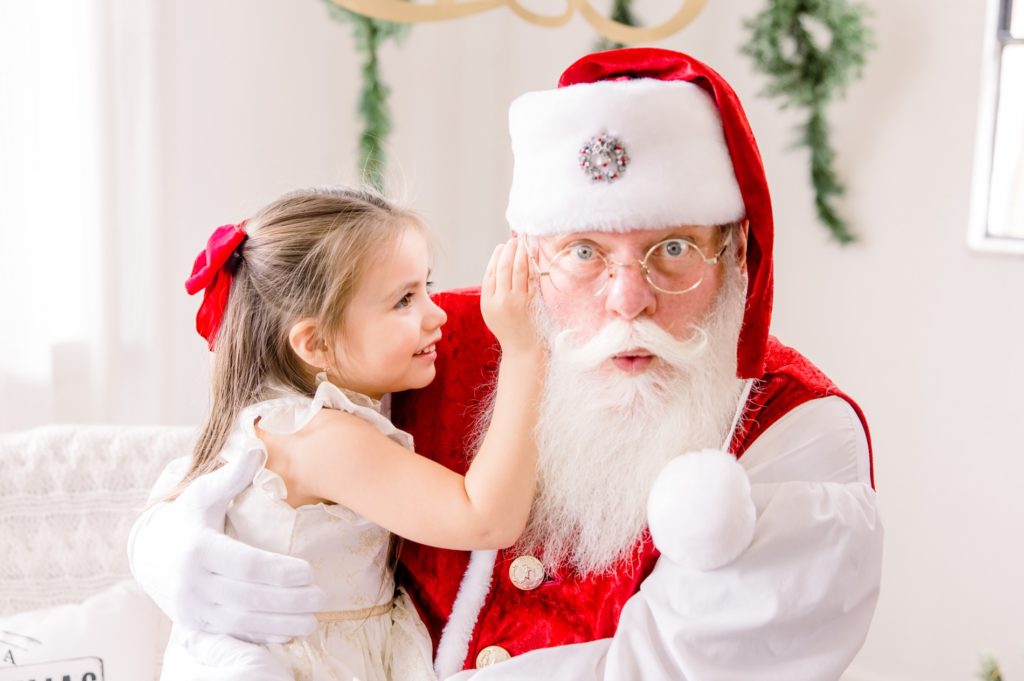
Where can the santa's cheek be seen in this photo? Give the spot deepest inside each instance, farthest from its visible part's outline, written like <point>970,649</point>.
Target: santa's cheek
<point>584,314</point>
<point>679,317</point>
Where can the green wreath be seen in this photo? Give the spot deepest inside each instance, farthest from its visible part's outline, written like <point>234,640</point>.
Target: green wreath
<point>808,74</point>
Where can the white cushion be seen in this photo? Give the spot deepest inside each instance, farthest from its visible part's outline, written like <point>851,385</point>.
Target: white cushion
<point>117,635</point>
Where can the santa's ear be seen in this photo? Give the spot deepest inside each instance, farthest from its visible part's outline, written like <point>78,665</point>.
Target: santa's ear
<point>307,343</point>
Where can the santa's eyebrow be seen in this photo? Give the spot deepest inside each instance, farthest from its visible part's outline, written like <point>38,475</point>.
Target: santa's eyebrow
<point>567,240</point>
<point>676,235</point>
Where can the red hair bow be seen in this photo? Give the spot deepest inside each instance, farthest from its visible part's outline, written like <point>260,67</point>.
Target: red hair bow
<point>211,272</point>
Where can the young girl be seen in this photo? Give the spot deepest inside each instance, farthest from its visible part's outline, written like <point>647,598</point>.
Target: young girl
<point>317,308</point>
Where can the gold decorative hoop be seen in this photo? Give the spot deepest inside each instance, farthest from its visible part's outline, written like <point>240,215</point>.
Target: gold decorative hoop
<point>443,10</point>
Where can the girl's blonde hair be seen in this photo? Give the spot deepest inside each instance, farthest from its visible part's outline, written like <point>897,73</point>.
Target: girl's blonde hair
<point>304,258</point>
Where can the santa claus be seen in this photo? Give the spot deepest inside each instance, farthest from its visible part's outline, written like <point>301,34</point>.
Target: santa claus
<point>705,507</point>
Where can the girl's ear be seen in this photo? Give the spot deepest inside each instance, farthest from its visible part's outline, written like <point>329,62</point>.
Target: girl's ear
<point>305,341</point>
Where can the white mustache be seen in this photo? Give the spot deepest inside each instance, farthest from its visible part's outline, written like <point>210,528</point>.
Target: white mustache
<point>619,336</point>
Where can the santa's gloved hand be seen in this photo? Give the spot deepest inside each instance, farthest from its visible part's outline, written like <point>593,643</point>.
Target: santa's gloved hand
<point>206,581</point>
<point>700,511</point>
<point>216,657</point>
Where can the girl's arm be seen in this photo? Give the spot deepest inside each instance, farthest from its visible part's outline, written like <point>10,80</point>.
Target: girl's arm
<point>341,458</point>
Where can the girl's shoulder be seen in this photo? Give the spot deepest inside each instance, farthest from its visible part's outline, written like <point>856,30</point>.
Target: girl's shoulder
<point>330,413</point>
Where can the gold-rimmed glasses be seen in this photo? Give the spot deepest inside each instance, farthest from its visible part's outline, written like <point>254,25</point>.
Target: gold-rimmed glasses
<point>674,266</point>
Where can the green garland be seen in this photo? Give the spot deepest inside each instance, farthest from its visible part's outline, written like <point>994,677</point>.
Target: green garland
<point>806,74</point>
<point>622,12</point>
<point>990,670</point>
<point>373,97</point>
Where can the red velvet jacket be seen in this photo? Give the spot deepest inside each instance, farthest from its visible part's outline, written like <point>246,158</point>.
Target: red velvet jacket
<point>564,609</point>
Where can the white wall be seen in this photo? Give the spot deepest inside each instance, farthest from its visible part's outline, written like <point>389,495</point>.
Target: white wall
<point>256,98</point>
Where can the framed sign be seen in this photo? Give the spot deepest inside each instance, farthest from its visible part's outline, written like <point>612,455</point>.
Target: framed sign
<point>76,669</point>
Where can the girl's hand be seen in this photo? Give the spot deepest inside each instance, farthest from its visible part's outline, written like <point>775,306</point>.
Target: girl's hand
<point>505,299</point>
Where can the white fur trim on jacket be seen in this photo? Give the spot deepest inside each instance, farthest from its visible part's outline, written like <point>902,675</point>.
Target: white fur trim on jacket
<point>679,170</point>
<point>454,643</point>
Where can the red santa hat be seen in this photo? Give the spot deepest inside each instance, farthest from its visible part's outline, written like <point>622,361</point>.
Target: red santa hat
<point>644,138</point>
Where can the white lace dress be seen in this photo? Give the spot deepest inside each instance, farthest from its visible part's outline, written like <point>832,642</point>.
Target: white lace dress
<point>368,631</point>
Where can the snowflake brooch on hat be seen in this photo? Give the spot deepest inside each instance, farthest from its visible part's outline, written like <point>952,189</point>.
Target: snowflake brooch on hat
<point>603,158</point>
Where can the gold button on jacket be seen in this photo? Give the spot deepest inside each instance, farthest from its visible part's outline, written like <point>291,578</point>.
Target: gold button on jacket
<point>491,655</point>
<point>526,573</point>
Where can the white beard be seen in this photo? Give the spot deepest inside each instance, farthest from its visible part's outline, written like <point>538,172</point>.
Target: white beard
<point>603,435</point>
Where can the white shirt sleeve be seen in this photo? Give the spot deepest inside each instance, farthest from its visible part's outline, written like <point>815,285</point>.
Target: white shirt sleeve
<point>796,605</point>
<point>172,474</point>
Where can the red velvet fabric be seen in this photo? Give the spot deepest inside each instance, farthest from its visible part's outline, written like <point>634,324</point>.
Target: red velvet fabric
<point>646,62</point>
<point>564,609</point>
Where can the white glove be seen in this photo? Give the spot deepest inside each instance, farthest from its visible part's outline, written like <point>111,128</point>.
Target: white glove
<point>700,511</point>
<point>206,581</point>
<point>215,657</point>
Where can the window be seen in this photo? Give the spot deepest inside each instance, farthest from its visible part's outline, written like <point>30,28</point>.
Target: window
<point>49,217</point>
<point>81,264</point>
<point>998,200</point>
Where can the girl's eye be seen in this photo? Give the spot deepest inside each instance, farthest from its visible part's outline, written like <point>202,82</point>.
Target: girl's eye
<point>404,301</point>
<point>430,286</point>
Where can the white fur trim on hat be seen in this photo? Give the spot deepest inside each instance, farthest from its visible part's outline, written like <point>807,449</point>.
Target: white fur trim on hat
<point>678,169</point>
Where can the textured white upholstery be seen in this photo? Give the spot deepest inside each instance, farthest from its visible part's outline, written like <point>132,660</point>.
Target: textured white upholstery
<point>68,497</point>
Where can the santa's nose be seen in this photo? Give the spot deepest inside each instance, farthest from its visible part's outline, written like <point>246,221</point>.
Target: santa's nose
<point>628,295</point>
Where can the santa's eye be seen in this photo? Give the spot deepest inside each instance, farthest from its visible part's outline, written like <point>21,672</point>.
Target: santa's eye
<point>672,248</point>
<point>583,252</point>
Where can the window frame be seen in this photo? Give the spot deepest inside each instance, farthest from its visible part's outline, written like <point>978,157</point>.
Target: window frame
<point>979,237</point>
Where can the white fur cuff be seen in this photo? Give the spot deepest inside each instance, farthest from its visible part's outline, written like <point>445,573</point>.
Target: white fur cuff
<point>700,511</point>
